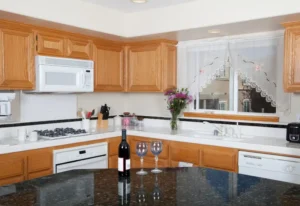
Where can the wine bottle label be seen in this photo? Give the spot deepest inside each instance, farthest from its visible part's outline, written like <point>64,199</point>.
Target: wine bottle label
<point>120,165</point>
<point>127,189</point>
<point>128,164</point>
<point>120,188</point>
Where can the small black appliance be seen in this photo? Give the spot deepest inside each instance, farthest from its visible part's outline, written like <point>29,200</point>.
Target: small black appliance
<point>293,132</point>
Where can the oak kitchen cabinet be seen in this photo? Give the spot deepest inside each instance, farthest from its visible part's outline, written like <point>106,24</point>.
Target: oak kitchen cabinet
<point>219,158</point>
<point>109,66</point>
<point>52,43</point>
<point>16,57</point>
<point>151,66</point>
<point>149,161</point>
<point>20,166</point>
<point>292,57</point>
<point>184,152</point>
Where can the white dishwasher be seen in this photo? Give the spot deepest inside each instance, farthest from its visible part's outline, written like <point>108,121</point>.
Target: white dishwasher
<point>92,156</point>
<point>286,169</point>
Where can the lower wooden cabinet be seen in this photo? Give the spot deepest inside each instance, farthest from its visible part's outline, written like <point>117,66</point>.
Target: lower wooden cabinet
<point>148,162</point>
<point>113,161</point>
<point>20,166</point>
<point>165,150</point>
<point>184,152</point>
<point>12,168</point>
<point>219,158</point>
<point>39,163</point>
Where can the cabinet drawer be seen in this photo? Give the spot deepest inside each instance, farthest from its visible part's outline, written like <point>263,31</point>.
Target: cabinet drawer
<point>182,152</point>
<point>163,155</point>
<point>11,166</point>
<point>148,162</point>
<point>39,160</point>
<point>219,158</point>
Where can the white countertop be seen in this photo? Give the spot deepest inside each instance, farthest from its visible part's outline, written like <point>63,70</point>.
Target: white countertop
<point>263,144</point>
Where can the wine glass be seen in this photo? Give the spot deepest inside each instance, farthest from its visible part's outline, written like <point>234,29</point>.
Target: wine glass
<point>141,196</point>
<point>156,194</point>
<point>141,151</point>
<point>156,148</point>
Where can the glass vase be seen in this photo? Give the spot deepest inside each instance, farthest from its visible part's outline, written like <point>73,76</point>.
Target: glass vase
<point>174,122</point>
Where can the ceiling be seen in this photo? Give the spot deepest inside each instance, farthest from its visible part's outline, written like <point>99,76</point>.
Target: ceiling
<point>127,6</point>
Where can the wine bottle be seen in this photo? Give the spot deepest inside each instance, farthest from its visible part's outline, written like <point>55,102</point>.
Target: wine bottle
<point>124,190</point>
<point>124,157</point>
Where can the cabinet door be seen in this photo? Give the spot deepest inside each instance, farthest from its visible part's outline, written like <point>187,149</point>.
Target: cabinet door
<point>144,68</point>
<point>12,168</point>
<point>169,66</point>
<point>292,59</point>
<point>184,152</point>
<point>109,67</point>
<point>113,146</point>
<point>78,48</point>
<point>113,161</point>
<point>39,163</point>
<point>16,59</point>
<point>165,150</point>
<point>50,44</point>
<point>148,162</point>
<point>219,158</point>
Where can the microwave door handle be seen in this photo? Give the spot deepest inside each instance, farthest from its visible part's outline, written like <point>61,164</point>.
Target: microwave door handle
<point>83,79</point>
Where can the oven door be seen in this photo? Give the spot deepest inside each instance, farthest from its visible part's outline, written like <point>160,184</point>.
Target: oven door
<point>60,79</point>
<point>92,163</point>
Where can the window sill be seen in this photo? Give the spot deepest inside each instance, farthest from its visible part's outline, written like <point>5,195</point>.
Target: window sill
<point>232,117</point>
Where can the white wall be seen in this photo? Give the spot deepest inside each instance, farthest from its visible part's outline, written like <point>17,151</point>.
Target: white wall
<point>149,104</point>
<point>194,14</point>
<point>70,12</point>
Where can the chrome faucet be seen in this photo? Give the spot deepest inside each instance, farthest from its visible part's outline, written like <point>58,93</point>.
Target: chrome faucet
<point>223,130</point>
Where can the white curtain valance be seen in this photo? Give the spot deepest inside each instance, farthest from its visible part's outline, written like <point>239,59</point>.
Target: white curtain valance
<point>257,60</point>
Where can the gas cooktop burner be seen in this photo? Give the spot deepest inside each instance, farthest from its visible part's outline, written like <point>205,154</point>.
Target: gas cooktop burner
<point>60,133</point>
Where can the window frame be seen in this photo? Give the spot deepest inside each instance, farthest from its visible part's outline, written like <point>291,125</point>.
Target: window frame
<point>235,100</point>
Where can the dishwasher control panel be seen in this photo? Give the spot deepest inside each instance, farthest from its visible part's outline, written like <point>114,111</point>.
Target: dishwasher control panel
<point>79,153</point>
<point>268,162</point>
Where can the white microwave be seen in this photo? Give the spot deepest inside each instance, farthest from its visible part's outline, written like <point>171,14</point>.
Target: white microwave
<point>63,75</point>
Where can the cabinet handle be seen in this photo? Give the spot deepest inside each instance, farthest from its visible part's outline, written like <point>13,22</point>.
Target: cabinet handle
<point>82,152</point>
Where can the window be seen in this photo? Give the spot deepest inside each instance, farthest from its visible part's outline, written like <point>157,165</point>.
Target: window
<point>241,74</point>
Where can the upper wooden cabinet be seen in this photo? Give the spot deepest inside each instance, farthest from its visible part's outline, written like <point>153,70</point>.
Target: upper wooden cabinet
<point>49,43</point>
<point>144,68</point>
<point>16,58</point>
<point>109,67</point>
<point>151,66</point>
<point>62,45</point>
<point>78,48</point>
<point>170,66</point>
<point>292,57</point>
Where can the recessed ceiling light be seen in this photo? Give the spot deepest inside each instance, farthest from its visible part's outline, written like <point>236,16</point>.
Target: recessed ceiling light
<point>214,31</point>
<point>139,1</point>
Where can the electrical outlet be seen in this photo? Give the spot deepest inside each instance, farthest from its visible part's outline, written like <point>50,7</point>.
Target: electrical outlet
<point>298,117</point>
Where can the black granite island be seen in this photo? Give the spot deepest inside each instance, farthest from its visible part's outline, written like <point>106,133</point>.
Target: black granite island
<point>176,186</point>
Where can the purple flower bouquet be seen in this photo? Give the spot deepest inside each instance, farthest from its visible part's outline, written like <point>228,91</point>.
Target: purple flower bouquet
<point>177,100</point>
